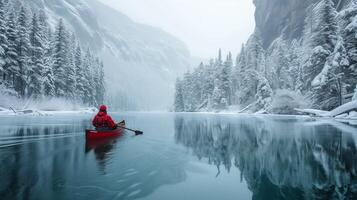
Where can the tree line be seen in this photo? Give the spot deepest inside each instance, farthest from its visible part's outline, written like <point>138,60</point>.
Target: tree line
<point>321,67</point>
<point>38,62</point>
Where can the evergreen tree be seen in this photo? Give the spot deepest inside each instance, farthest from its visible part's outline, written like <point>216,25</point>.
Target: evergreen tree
<point>237,74</point>
<point>264,94</point>
<point>87,81</point>
<point>322,41</point>
<point>48,76</point>
<point>328,86</point>
<point>80,78</point>
<point>225,77</point>
<point>208,83</point>
<point>35,72</point>
<point>295,71</point>
<point>348,27</point>
<point>3,41</point>
<point>70,81</point>
<point>179,103</point>
<point>60,59</point>
<point>11,62</point>
<point>219,59</point>
<point>254,52</point>
<point>23,47</point>
<point>100,91</point>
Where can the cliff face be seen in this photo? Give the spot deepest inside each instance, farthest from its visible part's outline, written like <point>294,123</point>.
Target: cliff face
<point>275,18</point>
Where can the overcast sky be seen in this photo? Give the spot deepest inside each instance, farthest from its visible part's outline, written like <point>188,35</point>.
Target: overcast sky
<point>204,25</point>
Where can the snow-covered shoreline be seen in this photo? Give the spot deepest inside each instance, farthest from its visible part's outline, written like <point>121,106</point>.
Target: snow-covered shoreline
<point>35,112</point>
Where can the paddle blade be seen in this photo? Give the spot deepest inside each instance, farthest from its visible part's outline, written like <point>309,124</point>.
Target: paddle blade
<point>139,132</point>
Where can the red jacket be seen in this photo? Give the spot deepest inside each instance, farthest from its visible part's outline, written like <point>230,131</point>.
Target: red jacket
<point>102,120</point>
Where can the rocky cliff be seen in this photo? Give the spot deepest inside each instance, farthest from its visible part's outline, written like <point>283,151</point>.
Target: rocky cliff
<point>284,17</point>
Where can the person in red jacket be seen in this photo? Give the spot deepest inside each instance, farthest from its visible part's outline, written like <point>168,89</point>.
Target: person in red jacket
<point>102,121</point>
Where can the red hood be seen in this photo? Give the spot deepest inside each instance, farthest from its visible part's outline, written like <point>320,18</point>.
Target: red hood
<point>101,113</point>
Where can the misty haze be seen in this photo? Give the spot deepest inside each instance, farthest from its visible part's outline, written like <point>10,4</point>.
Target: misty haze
<point>178,99</point>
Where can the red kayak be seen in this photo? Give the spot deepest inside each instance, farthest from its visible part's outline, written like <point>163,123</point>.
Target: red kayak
<point>96,135</point>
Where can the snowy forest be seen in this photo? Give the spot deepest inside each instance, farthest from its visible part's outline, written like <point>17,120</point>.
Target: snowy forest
<point>39,59</point>
<point>315,71</point>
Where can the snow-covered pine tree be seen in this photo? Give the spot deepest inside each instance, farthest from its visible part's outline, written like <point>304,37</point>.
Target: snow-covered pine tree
<point>208,77</point>
<point>248,87</point>
<point>190,100</point>
<point>93,77</point>
<point>255,62</point>
<point>264,95</point>
<point>23,47</point>
<point>179,103</point>
<point>35,70</point>
<point>329,86</point>
<point>225,78</point>
<point>255,52</point>
<point>237,74</point>
<point>277,65</point>
<point>96,79</point>
<point>222,83</point>
<point>322,41</point>
<point>295,71</point>
<point>70,81</point>
<point>3,41</point>
<point>219,59</point>
<point>11,63</point>
<point>60,59</point>
<point>81,82</point>
<point>88,79</point>
<point>348,26</point>
<point>218,100</point>
<point>48,76</point>
<point>100,90</point>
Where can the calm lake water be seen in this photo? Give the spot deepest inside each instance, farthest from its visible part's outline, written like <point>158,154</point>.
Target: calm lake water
<point>180,156</point>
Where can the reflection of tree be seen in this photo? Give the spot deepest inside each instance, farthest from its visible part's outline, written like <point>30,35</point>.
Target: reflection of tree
<point>49,162</point>
<point>31,155</point>
<point>280,159</point>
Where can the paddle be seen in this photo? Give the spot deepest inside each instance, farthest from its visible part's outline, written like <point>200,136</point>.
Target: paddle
<point>137,132</point>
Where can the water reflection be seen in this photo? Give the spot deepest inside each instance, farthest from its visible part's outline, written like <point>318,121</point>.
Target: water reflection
<point>31,157</point>
<point>279,158</point>
<point>102,149</point>
<point>49,159</point>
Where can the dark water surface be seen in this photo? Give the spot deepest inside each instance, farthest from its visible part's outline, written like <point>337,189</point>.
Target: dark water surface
<point>180,156</point>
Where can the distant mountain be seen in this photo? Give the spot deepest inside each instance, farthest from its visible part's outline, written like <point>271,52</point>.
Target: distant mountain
<point>140,61</point>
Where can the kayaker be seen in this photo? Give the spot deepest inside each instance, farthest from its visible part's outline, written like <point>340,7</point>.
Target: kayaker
<point>102,121</point>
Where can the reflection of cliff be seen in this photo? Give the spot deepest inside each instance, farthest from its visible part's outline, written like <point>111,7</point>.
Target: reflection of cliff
<point>279,158</point>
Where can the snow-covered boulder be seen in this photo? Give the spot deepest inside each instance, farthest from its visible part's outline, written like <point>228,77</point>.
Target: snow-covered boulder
<point>285,102</point>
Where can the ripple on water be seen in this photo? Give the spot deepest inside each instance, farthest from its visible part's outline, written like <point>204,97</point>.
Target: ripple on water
<point>135,192</point>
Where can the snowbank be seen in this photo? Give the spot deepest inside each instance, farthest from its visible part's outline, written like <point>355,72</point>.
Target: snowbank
<point>32,112</point>
<point>11,105</point>
<point>347,111</point>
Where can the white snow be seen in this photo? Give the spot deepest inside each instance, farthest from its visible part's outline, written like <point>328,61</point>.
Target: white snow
<point>320,113</point>
<point>10,105</point>
<point>351,106</point>
<point>346,111</point>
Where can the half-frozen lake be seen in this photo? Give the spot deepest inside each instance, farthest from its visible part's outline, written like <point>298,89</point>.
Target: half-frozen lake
<point>180,156</point>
